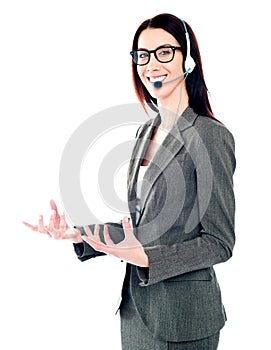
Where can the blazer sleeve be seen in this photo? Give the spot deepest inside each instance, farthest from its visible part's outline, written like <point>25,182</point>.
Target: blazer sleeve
<point>84,251</point>
<point>217,238</point>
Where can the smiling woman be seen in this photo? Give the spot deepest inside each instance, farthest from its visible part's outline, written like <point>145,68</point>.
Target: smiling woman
<point>175,33</point>
<point>156,69</point>
<point>180,198</point>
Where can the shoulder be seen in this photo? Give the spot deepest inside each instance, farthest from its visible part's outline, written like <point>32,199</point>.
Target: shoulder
<point>216,140</point>
<point>213,132</point>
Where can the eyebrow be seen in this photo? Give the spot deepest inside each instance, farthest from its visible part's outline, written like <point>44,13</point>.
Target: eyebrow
<point>163,45</point>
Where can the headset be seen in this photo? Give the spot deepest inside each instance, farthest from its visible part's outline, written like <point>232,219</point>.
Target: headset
<point>189,63</point>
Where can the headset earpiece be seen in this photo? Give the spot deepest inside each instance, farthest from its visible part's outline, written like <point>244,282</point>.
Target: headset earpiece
<point>189,63</point>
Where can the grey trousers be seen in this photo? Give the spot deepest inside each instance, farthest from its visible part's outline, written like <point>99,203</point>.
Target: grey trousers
<point>136,336</point>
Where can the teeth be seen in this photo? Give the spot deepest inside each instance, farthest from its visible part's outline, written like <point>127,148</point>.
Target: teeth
<point>153,80</point>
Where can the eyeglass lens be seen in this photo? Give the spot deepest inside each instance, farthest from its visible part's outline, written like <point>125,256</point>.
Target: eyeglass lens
<point>162,54</point>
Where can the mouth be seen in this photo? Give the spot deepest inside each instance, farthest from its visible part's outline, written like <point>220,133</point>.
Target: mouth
<point>153,79</point>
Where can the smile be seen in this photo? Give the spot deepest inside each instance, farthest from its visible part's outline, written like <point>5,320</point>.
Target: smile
<point>158,78</point>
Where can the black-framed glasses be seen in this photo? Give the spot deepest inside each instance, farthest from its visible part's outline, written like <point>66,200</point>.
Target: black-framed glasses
<point>163,54</point>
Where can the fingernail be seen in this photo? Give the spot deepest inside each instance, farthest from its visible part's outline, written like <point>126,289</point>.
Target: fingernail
<point>125,219</point>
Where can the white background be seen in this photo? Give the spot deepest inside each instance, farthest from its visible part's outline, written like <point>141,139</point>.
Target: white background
<point>58,68</point>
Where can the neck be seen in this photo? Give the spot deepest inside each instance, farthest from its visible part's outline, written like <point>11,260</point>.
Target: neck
<point>172,108</point>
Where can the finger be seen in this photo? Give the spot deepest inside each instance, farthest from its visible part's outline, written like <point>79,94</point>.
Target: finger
<point>62,223</point>
<point>32,227</point>
<point>99,246</point>
<point>126,225</point>
<point>96,234</point>
<point>41,227</point>
<point>53,205</point>
<point>90,242</point>
<point>88,231</point>
<point>57,216</point>
<point>52,226</point>
<point>94,244</point>
<point>107,238</point>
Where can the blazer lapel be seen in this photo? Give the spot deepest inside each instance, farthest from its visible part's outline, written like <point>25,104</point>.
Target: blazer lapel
<point>171,145</point>
<point>164,155</point>
<point>139,151</point>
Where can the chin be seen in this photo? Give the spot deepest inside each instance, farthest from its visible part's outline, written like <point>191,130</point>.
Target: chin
<point>154,92</point>
<point>158,93</point>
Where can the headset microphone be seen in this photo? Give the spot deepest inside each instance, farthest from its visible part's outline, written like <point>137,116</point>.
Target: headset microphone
<point>189,63</point>
<point>158,84</point>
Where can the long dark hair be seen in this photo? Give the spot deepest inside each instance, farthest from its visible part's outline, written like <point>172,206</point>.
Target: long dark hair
<point>195,83</point>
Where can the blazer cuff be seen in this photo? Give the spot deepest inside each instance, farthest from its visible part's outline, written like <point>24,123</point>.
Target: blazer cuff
<point>83,250</point>
<point>147,275</point>
<point>154,274</point>
<point>143,274</point>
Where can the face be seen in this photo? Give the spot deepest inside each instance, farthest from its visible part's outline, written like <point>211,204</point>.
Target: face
<point>150,39</point>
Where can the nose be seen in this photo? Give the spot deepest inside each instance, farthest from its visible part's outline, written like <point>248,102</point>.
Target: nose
<point>153,63</point>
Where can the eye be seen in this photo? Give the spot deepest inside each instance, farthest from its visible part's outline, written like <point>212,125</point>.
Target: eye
<point>165,51</point>
<point>143,54</point>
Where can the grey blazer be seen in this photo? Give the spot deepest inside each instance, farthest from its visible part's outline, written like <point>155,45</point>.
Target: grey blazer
<point>186,225</point>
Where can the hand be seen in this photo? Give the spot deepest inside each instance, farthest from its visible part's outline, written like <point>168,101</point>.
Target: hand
<point>130,249</point>
<point>57,227</point>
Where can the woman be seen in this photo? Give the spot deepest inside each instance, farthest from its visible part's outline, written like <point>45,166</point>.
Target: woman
<point>180,196</point>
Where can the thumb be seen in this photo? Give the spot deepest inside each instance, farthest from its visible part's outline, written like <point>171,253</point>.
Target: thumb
<point>126,224</point>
